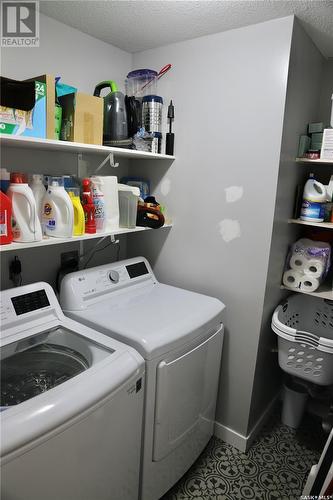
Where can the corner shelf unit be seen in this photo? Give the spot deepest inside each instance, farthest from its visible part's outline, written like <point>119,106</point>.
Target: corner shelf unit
<point>325,290</point>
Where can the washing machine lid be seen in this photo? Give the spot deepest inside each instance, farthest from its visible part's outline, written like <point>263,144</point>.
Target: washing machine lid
<point>53,368</point>
<point>152,317</point>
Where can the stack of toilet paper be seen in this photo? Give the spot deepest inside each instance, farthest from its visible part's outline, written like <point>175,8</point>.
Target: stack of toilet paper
<point>308,263</point>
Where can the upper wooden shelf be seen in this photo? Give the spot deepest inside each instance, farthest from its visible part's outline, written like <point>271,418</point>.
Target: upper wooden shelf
<point>76,147</point>
<point>306,160</point>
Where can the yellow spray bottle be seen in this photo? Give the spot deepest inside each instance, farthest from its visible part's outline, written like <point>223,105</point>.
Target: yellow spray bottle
<point>79,223</point>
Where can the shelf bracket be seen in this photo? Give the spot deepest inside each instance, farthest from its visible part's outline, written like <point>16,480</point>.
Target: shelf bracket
<point>109,158</point>
<point>113,239</point>
<point>82,167</point>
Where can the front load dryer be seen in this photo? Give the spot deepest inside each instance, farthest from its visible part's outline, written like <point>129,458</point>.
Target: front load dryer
<point>72,405</point>
<point>180,335</point>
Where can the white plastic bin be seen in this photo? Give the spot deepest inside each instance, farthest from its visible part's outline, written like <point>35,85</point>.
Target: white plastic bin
<point>294,402</point>
<point>128,205</point>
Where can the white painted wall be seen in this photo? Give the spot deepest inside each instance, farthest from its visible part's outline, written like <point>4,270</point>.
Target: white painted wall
<point>326,92</point>
<point>229,93</point>
<point>302,106</point>
<point>79,59</point>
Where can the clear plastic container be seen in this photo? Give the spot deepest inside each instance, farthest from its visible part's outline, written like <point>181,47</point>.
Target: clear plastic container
<point>141,82</point>
<point>128,205</point>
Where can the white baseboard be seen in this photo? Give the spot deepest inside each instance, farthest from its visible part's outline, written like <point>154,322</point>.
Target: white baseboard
<point>230,436</point>
<point>238,440</point>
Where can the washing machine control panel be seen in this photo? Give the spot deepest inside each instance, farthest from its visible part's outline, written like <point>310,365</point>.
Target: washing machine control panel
<point>25,305</point>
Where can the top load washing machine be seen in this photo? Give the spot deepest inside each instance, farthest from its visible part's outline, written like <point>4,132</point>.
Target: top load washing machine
<point>72,405</point>
<point>180,335</point>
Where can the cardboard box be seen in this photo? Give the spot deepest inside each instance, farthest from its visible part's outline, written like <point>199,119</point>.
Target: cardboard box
<point>22,113</point>
<point>23,108</point>
<point>82,118</point>
<point>49,81</point>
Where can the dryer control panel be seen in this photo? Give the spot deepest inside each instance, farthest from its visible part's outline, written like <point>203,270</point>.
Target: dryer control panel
<point>89,285</point>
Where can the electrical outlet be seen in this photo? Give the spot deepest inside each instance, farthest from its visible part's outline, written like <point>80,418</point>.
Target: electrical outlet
<point>69,257</point>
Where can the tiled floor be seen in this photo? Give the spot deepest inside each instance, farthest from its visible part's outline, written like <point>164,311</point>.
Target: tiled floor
<point>275,467</point>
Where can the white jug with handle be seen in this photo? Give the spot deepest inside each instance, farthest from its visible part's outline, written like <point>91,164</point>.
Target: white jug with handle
<point>58,212</point>
<point>26,224</point>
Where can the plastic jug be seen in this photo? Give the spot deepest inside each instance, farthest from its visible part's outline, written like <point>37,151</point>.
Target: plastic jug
<point>79,222</point>
<point>109,187</point>
<point>314,199</point>
<point>6,234</point>
<point>58,212</point>
<point>38,190</point>
<point>128,205</point>
<point>25,222</point>
<point>99,203</point>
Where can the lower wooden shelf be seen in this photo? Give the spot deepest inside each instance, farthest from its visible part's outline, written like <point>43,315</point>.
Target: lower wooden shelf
<point>324,291</point>
<point>59,241</point>
<point>323,225</point>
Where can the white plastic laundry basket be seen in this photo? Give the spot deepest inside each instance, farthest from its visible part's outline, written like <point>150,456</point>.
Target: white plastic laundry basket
<point>304,326</point>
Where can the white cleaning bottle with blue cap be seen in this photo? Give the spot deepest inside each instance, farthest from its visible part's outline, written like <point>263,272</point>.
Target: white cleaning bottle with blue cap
<point>314,199</point>
<point>58,212</point>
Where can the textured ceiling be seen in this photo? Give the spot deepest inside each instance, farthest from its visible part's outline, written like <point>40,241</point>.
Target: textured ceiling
<point>143,24</point>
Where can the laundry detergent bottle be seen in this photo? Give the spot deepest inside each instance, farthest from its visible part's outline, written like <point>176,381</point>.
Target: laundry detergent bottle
<point>38,190</point>
<point>79,222</point>
<point>25,222</point>
<point>314,199</point>
<point>58,212</point>
<point>6,234</point>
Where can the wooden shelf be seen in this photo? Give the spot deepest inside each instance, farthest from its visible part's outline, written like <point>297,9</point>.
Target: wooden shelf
<point>324,291</point>
<point>59,241</point>
<point>76,147</point>
<point>323,225</point>
<point>319,161</point>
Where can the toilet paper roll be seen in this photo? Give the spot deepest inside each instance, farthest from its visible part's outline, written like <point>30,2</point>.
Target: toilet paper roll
<point>315,268</point>
<point>309,284</point>
<point>291,278</point>
<point>298,261</point>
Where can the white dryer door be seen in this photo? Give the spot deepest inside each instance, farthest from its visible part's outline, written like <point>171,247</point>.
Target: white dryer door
<point>186,390</point>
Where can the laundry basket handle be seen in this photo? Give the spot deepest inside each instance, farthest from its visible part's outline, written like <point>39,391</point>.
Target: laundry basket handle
<point>307,338</point>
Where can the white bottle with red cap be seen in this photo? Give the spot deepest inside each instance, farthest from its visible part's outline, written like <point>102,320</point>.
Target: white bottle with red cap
<point>25,221</point>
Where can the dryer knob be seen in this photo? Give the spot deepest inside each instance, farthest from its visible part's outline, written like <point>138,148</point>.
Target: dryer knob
<point>114,276</point>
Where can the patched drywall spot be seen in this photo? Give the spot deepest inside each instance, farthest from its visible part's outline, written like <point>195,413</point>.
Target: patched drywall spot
<point>229,229</point>
<point>165,187</point>
<point>233,193</point>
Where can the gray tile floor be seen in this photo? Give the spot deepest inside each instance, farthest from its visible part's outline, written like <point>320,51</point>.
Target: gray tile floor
<point>275,467</point>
